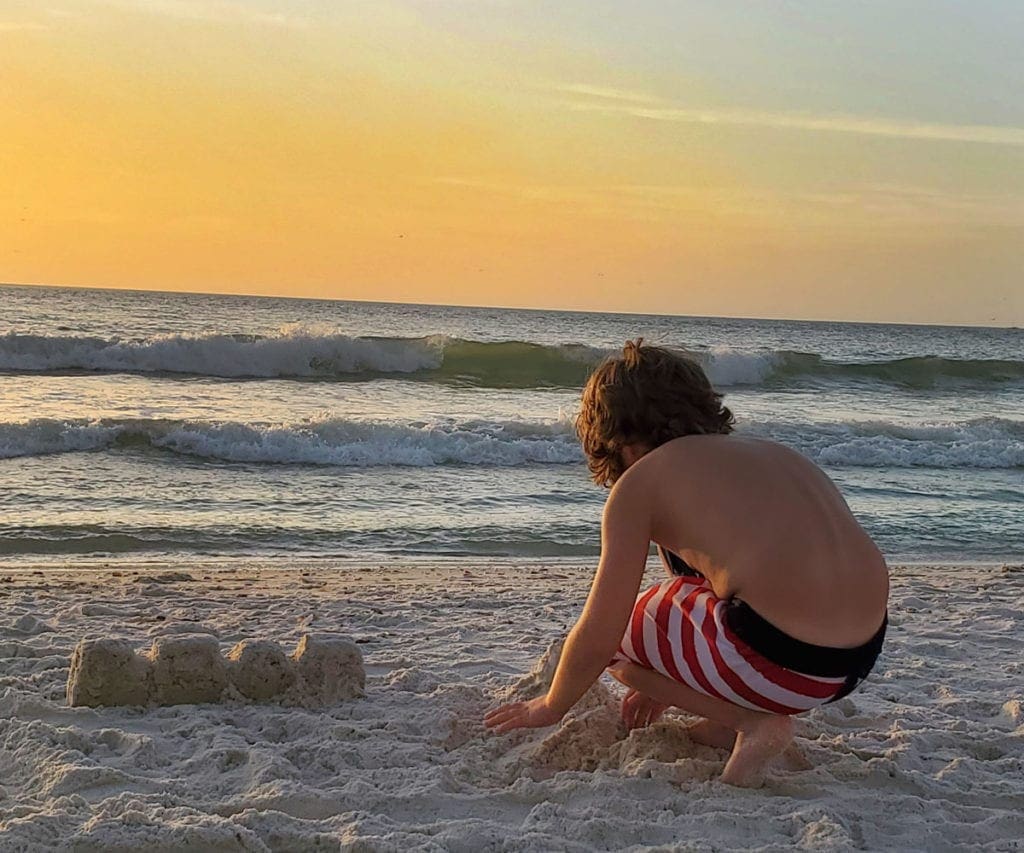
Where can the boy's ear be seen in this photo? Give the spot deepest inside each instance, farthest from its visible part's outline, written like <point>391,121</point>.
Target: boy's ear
<point>632,453</point>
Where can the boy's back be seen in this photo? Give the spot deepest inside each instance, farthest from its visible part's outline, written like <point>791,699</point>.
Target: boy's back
<point>763,524</point>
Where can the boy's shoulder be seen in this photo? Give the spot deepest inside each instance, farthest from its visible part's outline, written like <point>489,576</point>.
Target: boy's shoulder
<point>713,444</point>
<point>691,458</point>
<point>698,446</point>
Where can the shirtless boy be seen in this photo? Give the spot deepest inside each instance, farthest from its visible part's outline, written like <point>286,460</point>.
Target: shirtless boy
<point>776,601</point>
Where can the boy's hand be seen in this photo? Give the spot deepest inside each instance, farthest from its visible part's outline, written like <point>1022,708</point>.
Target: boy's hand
<point>534,714</point>
<point>639,710</point>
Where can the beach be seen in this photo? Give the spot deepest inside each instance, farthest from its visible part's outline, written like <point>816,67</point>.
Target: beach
<point>927,755</point>
<point>341,344</point>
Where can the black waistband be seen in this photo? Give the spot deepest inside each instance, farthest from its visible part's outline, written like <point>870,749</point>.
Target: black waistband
<point>677,565</point>
<point>780,648</point>
<point>786,651</point>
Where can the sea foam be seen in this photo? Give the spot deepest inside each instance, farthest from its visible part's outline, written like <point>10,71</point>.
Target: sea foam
<point>305,352</point>
<point>323,441</point>
<point>296,351</point>
<point>331,441</point>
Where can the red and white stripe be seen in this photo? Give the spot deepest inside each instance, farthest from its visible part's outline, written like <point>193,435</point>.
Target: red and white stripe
<point>677,629</point>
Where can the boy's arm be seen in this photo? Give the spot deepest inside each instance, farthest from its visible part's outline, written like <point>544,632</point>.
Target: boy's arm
<point>593,641</point>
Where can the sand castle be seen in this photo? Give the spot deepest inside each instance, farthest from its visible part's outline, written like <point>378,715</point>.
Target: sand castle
<point>189,669</point>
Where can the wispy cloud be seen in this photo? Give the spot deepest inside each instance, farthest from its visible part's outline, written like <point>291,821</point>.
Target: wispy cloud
<point>923,204</point>
<point>637,105</point>
<point>630,201</point>
<point>212,12</point>
<point>605,93</point>
<point>874,204</point>
<point>21,26</point>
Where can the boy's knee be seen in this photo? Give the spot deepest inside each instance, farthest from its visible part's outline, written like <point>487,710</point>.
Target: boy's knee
<point>624,671</point>
<point>615,667</point>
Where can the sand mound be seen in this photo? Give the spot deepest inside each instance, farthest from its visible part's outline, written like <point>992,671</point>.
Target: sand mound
<point>329,669</point>
<point>260,670</point>
<point>108,672</point>
<point>537,681</point>
<point>593,736</point>
<point>189,669</point>
<point>28,625</point>
<point>581,743</point>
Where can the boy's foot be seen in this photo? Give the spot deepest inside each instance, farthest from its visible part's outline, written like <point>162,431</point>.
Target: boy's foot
<point>722,737</point>
<point>756,745</point>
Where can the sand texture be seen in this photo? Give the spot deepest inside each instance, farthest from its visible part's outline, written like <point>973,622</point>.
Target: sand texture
<point>927,755</point>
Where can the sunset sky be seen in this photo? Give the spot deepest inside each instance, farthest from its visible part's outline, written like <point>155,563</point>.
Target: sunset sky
<point>820,159</point>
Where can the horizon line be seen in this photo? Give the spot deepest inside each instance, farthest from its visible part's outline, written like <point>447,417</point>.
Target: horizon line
<point>1011,327</point>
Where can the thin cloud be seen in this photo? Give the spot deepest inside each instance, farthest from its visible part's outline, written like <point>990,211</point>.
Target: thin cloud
<point>618,196</point>
<point>588,100</point>
<point>21,26</point>
<point>211,12</point>
<point>922,203</point>
<point>876,202</point>
<point>606,93</point>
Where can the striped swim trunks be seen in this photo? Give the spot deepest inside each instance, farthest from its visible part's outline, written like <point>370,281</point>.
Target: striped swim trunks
<point>722,648</point>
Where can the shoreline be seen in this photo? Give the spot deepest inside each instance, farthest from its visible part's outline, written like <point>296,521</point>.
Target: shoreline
<point>388,563</point>
<point>927,755</point>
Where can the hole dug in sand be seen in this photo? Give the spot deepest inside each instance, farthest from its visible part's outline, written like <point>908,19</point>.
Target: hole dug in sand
<point>189,669</point>
<point>593,736</point>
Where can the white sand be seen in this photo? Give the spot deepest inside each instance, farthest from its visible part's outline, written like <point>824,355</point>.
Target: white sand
<point>928,755</point>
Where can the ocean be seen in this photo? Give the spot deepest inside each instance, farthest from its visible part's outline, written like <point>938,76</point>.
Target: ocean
<point>139,426</point>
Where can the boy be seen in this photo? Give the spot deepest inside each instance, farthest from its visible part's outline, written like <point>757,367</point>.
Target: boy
<point>777,600</point>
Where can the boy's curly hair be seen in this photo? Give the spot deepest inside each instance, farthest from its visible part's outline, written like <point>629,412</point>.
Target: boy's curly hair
<point>647,396</point>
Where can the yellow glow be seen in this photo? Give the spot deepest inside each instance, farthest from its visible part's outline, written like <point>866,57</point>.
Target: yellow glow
<point>373,159</point>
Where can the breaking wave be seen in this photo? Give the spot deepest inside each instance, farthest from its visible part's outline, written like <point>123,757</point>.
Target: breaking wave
<point>912,372</point>
<point>980,443</point>
<point>298,352</point>
<point>326,441</point>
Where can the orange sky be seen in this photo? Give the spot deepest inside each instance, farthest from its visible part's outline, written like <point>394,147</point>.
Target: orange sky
<point>462,152</point>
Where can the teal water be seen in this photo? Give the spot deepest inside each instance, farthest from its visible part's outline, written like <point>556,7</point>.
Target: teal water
<point>174,426</point>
